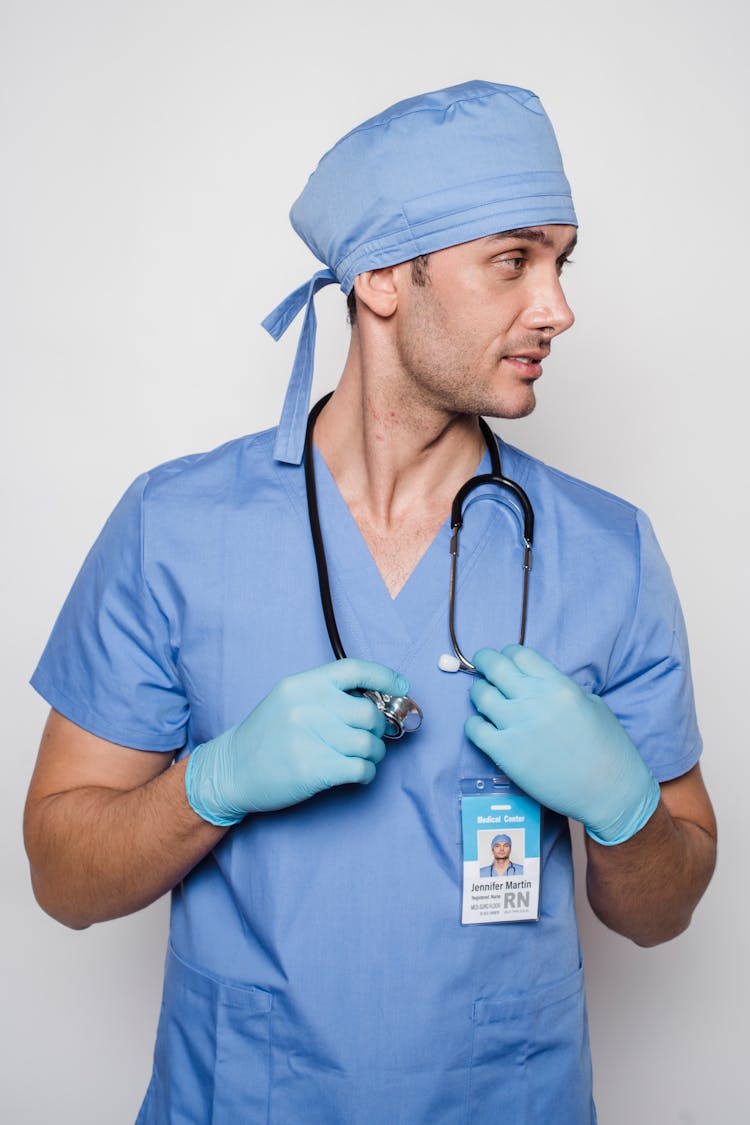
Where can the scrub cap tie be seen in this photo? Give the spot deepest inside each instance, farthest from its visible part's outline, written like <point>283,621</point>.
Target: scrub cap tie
<point>430,172</point>
<point>297,401</point>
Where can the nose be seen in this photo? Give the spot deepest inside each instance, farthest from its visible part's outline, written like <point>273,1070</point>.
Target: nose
<point>548,311</point>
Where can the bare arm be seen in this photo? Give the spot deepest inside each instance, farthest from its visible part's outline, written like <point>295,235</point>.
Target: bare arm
<point>108,829</point>
<point>648,887</point>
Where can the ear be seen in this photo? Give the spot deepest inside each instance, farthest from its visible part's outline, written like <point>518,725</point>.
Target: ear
<point>377,290</point>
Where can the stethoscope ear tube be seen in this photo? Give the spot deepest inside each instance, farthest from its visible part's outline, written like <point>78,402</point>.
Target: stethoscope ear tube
<point>317,536</point>
<point>457,519</point>
<point>464,665</point>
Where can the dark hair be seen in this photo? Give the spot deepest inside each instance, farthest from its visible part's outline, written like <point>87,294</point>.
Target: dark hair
<point>419,275</point>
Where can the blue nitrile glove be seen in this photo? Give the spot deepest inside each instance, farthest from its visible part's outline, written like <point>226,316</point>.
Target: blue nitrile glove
<point>307,735</point>
<point>559,744</point>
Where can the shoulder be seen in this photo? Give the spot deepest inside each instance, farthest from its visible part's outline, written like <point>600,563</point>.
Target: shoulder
<point>552,486</point>
<point>239,475</point>
<point>601,549</point>
<point>577,516</point>
<point>196,474</point>
<point>165,506</point>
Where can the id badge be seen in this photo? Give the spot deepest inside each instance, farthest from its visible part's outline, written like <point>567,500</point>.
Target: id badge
<point>501,829</point>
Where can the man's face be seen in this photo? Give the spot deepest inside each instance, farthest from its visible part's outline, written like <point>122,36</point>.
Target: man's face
<point>471,340</point>
<point>501,850</point>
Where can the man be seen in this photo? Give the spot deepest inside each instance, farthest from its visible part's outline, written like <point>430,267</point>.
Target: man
<point>501,865</point>
<point>201,733</point>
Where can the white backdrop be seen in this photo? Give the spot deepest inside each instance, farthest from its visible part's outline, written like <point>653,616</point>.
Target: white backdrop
<point>150,151</point>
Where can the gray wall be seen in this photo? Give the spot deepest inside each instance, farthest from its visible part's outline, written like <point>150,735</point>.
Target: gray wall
<point>150,151</point>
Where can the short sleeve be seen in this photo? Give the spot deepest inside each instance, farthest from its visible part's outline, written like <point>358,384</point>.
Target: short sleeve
<point>649,686</point>
<point>109,665</point>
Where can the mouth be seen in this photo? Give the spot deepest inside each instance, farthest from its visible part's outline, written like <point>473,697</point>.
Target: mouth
<point>528,364</point>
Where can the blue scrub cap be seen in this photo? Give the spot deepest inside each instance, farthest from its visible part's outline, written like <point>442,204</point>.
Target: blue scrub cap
<point>430,172</point>
<point>501,839</point>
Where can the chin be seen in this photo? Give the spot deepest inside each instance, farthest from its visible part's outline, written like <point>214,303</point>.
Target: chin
<point>510,408</point>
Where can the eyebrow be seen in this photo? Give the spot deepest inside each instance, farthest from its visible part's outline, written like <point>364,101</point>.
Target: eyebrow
<point>531,234</point>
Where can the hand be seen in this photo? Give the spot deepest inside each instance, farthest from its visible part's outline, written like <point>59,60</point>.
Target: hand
<point>561,745</point>
<point>308,734</point>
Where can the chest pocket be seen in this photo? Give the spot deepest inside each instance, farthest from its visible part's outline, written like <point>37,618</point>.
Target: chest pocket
<point>212,1051</point>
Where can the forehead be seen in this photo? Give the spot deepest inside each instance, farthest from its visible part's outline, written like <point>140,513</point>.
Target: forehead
<point>550,236</point>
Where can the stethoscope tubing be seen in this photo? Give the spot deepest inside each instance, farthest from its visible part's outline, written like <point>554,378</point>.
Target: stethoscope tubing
<point>397,716</point>
<point>401,713</point>
<point>496,478</point>
<point>321,562</point>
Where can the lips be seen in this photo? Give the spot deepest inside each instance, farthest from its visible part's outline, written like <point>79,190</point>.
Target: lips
<point>531,356</point>
<point>528,364</point>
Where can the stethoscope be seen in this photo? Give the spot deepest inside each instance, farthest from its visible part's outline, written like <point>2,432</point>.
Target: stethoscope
<point>402,714</point>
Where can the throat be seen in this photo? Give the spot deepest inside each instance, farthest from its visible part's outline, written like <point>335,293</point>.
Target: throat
<point>398,487</point>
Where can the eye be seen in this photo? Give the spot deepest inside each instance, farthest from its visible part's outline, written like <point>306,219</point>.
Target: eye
<point>513,261</point>
<point>562,262</point>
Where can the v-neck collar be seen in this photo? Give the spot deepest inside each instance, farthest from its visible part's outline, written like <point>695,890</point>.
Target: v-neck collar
<point>374,622</point>
<point>373,625</point>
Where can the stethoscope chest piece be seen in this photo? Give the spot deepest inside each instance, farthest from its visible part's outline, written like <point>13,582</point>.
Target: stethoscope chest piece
<point>402,715</point>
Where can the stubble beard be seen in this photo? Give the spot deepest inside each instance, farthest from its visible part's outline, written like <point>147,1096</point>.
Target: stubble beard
<point>443,381</point>
<point>439,378</point>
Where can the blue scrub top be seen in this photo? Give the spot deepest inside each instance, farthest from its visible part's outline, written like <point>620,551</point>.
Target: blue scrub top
<point>489,873</point>
<point>317,968</point>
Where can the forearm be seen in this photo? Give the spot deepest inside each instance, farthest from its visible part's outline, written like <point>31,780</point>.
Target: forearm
<point>647,887</point>
<point>109,828</point>
<point>566,748</point>
<point>99,853</point>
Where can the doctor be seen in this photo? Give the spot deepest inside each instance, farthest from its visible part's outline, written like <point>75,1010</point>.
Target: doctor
<point>201,734</point>
<point>502,864</point>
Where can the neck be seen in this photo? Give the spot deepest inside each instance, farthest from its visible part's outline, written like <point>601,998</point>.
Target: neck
<point>396,458</point>
<point>389,451</point>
